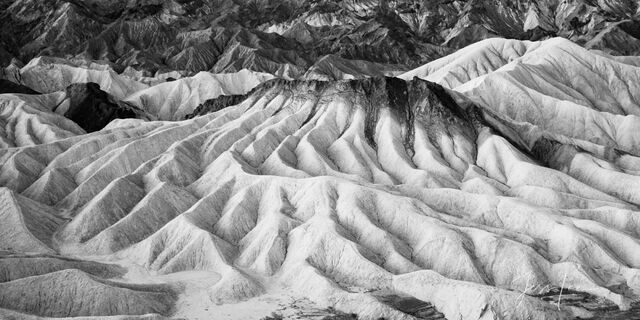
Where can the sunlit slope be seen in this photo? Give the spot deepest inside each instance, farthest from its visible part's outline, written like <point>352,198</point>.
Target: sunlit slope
<point>576,110</point>
<point>28,120</point>
<point>176,99</point>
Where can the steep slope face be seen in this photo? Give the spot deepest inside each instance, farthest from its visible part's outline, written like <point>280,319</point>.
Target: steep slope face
<point>477,199</point>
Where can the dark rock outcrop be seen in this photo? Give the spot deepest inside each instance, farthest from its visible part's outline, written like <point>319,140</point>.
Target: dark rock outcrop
<point>92,109</point>
<point>7,86</point>
<point>216,104</point>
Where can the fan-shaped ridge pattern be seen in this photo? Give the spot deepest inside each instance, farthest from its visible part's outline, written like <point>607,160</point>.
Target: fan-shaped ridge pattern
<point>476,198</point>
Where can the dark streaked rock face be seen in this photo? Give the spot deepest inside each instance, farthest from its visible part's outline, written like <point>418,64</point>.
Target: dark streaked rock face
<point>92,109</point>
<point>216,104</point>
<point>416,100</point>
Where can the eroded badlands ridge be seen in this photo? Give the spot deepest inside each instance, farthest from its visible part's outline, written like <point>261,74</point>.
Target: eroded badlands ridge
<point>476,197</point>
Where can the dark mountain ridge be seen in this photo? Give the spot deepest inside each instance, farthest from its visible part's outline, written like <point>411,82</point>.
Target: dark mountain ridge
<point>286,37</point>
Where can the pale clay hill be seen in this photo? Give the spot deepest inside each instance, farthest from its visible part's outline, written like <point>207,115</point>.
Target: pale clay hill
<point>483,180</point>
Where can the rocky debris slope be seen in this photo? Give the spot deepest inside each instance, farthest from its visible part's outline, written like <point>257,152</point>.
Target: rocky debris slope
<point>500,179</point>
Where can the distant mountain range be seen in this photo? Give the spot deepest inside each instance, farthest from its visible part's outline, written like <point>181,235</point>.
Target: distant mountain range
<point>294,38</point>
